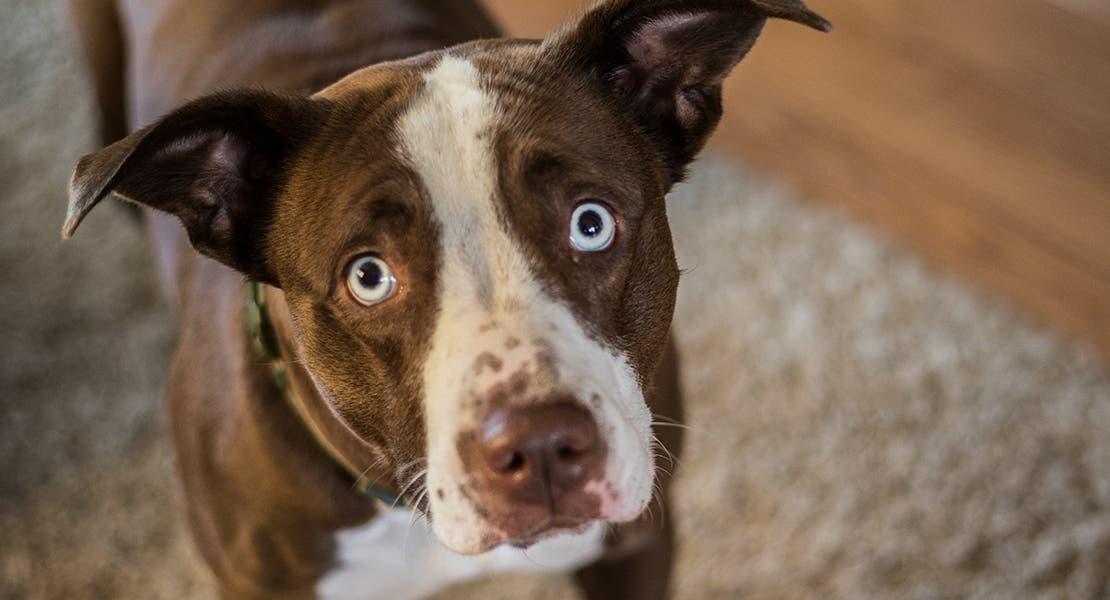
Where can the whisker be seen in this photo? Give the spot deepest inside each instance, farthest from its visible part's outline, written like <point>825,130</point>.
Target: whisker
<point>663,469</point>
<point>412,464</point>
<point>419,477</point>
<point>670,455</point>
<point>379,461</point>
<point>677,426</point>
<point>416,514</point>
<point>524,552</point>
<point>413,520</point>
<point>664,421</point>
<point>657,497</point>
<point>417,510</point>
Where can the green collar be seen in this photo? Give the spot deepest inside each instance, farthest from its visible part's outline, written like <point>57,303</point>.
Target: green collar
<point>264,341</point>
<point>262,335</point>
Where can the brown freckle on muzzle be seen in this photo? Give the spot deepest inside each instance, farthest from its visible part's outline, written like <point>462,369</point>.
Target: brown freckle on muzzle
<point>512,342</point>
<point>497,397</point>
<point>487,359</point>
<point>518,383</point>
<point>545,362</point>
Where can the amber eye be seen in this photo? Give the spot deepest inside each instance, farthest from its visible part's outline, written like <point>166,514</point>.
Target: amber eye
<point>370,280</point>
<point>592,227</point>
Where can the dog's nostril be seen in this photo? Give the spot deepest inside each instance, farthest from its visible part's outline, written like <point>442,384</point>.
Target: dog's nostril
<point>506,461</point>
<point>565,451</point>
<point>570,448</point>
<point>516,463</point>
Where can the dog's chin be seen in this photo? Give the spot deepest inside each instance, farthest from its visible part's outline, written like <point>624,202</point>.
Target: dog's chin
<point>555,527</point>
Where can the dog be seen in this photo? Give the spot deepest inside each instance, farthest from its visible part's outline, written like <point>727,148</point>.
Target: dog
<point>424,275</point>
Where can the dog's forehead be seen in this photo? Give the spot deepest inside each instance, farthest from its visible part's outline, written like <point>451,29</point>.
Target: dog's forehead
<point>461,124</point>
<point>491,59</point>
<point>533,95</point>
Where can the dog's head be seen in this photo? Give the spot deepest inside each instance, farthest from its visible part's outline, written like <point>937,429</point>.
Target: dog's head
<point>472,244</point>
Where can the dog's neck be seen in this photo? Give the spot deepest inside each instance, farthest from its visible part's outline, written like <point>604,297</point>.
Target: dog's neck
<point>290,381</point>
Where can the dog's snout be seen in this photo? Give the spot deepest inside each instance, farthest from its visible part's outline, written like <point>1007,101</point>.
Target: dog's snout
<point>536,451</point>
<point>539,456</point>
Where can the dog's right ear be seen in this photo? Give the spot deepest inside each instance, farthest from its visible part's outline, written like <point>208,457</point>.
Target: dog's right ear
<point>217,164</point>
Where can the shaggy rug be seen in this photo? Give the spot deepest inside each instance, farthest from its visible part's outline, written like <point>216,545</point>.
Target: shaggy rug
<point>860,427</point>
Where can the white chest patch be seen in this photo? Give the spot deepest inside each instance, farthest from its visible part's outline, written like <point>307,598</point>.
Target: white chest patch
<point>396,559</point>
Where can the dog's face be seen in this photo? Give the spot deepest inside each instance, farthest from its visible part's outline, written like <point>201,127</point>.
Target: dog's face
<point>485,272</point>
<point>473,248</point>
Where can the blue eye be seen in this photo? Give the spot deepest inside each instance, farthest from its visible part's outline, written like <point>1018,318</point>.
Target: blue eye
<point>369,280</point>
<point>592,227</point>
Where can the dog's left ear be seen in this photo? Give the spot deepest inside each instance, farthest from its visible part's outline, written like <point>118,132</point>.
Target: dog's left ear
<point>665,60</point>
<point>217,164</point>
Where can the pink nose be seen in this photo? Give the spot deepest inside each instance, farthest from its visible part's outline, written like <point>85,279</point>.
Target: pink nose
<point>537,456</point>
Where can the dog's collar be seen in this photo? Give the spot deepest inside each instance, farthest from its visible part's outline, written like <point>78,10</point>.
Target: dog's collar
<point>264,341</point>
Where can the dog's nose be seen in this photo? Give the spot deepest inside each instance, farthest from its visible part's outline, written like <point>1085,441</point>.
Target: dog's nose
<point>539,454</point>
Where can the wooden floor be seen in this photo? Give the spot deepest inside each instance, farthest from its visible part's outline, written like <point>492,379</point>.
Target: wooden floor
<point>976,133</point>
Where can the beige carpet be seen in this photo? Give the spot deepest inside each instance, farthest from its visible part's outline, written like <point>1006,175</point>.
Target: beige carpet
<point>861,427</point>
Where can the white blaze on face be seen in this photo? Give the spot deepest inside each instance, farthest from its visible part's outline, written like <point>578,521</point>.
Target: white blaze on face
<point>490,301</point>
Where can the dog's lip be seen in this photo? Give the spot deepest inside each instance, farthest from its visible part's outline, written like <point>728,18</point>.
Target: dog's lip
<point>554,526</point>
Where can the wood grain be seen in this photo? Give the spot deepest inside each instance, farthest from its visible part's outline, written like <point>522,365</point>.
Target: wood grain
<point>975,133</point>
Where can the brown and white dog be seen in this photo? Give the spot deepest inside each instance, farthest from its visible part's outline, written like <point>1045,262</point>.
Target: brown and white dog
<point>467,269</point>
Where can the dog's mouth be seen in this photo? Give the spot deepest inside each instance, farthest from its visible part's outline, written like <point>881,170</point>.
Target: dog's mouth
<point>554,527</point>
<point>523,525</point>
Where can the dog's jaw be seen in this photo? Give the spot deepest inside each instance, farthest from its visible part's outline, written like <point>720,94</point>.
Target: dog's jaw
<point>490,301</point>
